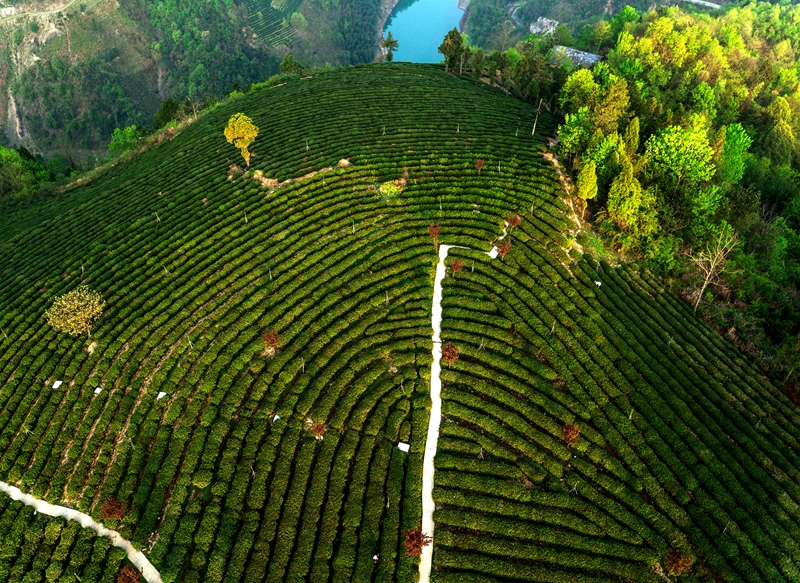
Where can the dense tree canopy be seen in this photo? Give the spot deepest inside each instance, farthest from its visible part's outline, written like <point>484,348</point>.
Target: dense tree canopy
<point>692,124</point>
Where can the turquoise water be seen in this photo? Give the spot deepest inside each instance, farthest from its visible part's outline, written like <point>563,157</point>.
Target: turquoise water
<point>419,26</point>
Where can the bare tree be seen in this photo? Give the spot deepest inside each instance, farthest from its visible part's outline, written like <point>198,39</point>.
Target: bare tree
<point>318,429</point>
<point>434,231</point>
<point>271,341</point>
<point>112,509</point>
<point>450,353</point>
<point>514,221</point>
<point>503,248</point>
<point>457,265</point>
<point>415,541</point>
<point>711,260</point>
<point>678,563</point>
<point>129,574</point>
<point>570,433</point>
<point>479,163</point>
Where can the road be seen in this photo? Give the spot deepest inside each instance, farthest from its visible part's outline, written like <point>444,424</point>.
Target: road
<point>45,13</point>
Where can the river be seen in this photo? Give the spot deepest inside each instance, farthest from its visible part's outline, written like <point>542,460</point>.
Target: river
<point>419,27</point>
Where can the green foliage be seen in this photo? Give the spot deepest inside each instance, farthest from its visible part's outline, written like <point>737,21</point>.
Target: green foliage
<point>289,66</point>
<point>734,154</point>
<point>705,108</point>
<point>390,45</point>
<point>20,173</point>
<point>679,157</point>
<point>203,46</point>
<point>574,134</point>
<point>55,94</point>
<point>198,261</point>
<point>630,207</point>
<point>580,91</point>
<point>123,140</point>
<point>587,181</point>
<point>452,48</point>
<point>298,21</point>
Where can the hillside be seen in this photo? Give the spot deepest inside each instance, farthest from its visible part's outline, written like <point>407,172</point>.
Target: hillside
<point>684,446</point>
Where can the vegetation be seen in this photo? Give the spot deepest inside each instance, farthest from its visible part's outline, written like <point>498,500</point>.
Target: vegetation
<point>241,132</point>
<point>684,446</point>
<point>690,129</point>
<point>390,45</point>
<point>75,312</point>
<point>415,541</point>
<point>42,549</point>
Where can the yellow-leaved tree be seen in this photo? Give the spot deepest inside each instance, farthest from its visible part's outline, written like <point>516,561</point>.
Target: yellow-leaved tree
<point>76,311</point>
<point>241,132</point>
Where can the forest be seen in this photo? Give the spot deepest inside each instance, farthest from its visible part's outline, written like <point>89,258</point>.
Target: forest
<point>687,135</point>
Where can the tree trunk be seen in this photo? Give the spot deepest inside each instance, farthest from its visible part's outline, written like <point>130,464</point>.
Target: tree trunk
<point>697,303</point>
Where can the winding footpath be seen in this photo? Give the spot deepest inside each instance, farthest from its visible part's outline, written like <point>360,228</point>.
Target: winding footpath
<point>136,557</point>
<point>432,439</point>
<point>43,13</point>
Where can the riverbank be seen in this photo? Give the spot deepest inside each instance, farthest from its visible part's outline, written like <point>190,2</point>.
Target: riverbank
<point>465,6</point>
<point>387,6</point>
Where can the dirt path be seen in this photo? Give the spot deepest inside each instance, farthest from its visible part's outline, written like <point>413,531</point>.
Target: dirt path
<point>136,557</point>
<point>428,506</point>
<point>44,13</point>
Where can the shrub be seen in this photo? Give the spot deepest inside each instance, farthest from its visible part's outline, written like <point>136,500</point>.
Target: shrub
<point>112,509</point>
<point>129,574</point>
<point>76,311</point>
<point>570,433</point>
<point>415,541</point>
<point>678,563</point>
<point>450,353</point>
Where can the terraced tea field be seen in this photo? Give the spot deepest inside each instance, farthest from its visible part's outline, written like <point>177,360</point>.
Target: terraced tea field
<point>270,19</point>
<point>683,445</point>
<point>38,548</point>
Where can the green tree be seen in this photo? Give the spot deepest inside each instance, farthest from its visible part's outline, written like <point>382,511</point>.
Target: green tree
<point>289,66</point>
<point>631,137</point>
<point>574,134</point>
<point>579,91</point>
<point>679,156</point>
<point>613,105</point>
<point>390,45</point>
<point>124,140</point>
<point>298,21</point>
<point>241,132</point>
<point>587,182</point>
<point>452,48</point>
<point>631,207</point>
<point>476,63</point>
<point>20,173</point>
<point>734,153</point>
<point>779,141</point>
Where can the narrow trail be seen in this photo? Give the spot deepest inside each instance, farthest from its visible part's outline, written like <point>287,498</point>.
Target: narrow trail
<point>136,557</point>
<point>44,13</point>
<point>432,440</point>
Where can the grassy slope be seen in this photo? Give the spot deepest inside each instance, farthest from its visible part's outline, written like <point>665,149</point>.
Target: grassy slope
<point>217,491</point>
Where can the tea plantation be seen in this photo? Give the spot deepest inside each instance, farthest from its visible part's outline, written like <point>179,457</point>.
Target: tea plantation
<point>684,446</point>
